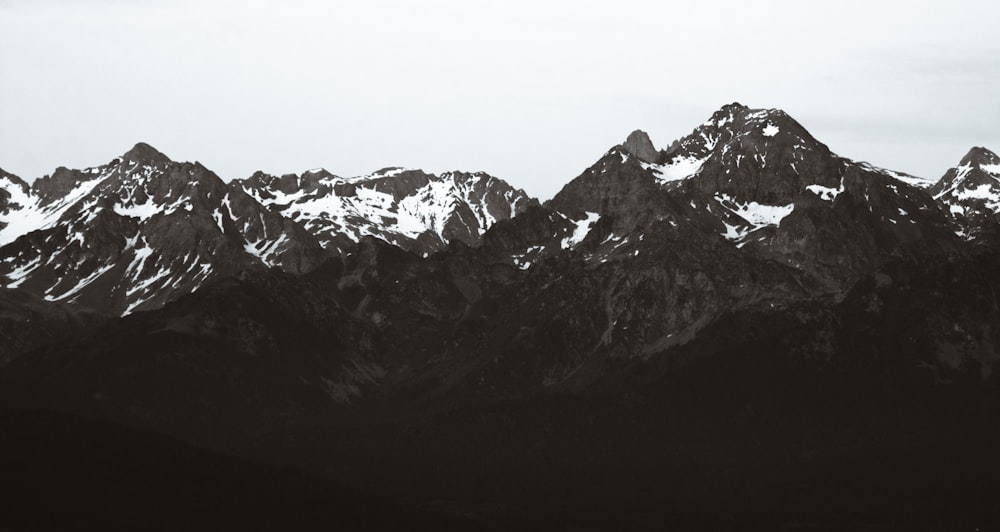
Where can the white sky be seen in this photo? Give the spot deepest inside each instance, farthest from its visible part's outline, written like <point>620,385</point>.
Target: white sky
<point>530,91</point>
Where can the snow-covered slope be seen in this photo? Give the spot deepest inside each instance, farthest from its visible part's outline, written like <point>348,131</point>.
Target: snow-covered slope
<point>417,211</point>
<point>140,231</point>
<point>29,210</point>
<point>970,192</point>
<point>15,201</point>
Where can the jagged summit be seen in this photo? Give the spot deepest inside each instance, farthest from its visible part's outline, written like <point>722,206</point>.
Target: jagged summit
<point>740,118</point>
<point>144,153</point>
<point>65,181</point>
<point>748,155</point>
<point>761,155</point>
<point>638,144</point>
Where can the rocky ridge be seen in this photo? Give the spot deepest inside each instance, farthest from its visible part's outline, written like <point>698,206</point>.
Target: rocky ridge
<point>417,211</point>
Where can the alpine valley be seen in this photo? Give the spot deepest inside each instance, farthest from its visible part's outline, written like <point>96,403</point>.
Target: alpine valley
<point>741,331</point>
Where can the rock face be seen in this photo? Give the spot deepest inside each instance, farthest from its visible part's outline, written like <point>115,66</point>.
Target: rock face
<point>417,211</point>
<point>970,192</point>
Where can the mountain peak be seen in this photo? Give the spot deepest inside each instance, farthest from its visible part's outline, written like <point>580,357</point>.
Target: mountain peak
<point>144,153</point>
<point>978,156</point>
<point>638,144</point>
<point>970,191</point>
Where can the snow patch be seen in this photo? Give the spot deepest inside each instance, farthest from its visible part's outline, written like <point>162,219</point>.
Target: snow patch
<point>581,230</point>
<point>758,214</point>
<point>21,273</point>
<point>913,181</point>
<point>734,232</point>
<point>826,193</point>
<point>771,130</point>
<point>142,211</point>
<point>679,169</point>
<point>83,283</point>
<point>267,250</point>
<point>984,192</point>
<point>144,285</point>
<point>139,261</point>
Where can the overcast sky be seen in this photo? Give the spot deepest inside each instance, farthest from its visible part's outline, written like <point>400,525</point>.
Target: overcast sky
<point>530,91</point>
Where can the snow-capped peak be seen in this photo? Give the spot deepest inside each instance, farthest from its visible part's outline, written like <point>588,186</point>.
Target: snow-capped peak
<point>751,155</point>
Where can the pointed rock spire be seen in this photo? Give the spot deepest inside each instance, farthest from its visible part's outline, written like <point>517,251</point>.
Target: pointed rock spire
<point>638,144</point>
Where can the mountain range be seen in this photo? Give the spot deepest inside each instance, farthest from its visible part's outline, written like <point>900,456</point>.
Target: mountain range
<point>741,316</point>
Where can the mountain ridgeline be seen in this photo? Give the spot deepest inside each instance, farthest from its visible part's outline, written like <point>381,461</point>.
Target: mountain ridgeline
<point>143,230</point>
<point>742,313</point>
